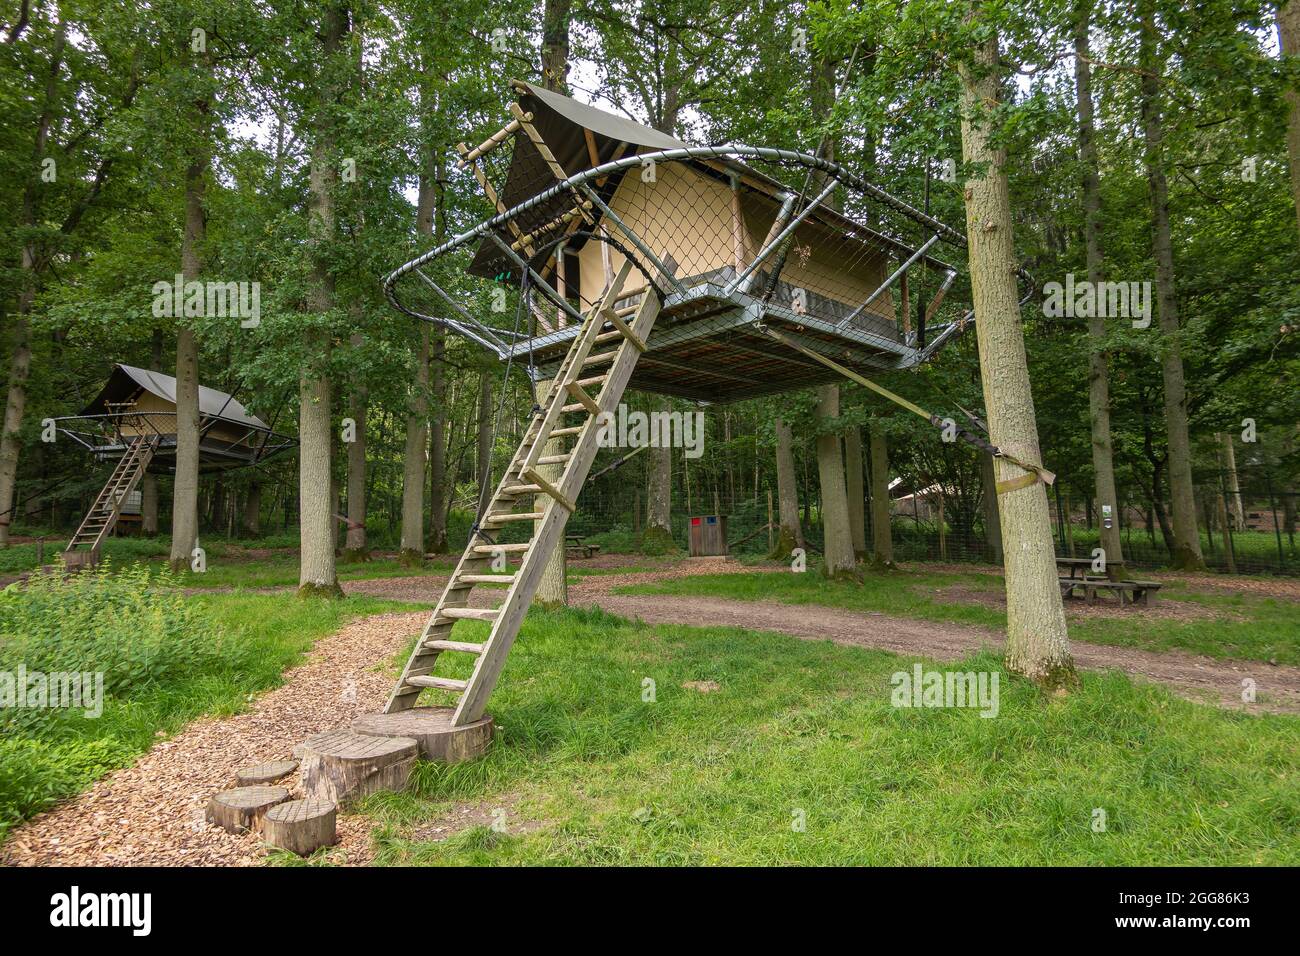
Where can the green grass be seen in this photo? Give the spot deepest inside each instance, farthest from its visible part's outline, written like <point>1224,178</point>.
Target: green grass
<point>61,754</point>
<point>281,571</point>
<point>1243,627</point>
<point>602,777</point>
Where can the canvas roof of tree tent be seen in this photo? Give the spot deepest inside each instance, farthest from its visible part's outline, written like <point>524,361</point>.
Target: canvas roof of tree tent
<point>231,435</point>
<point>710,342</point>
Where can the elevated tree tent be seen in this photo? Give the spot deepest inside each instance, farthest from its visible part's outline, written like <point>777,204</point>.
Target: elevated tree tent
<point>132,422</point>
<point>619,256</point>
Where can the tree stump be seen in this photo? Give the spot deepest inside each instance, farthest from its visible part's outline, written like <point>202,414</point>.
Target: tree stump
<point>431,728</point>
<point>242,809</point>
<point>265,773</point>
<point>301,826</point>
<point>341,766</point>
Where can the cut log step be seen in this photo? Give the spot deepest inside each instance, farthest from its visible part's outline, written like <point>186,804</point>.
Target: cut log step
<point>504,548</point>
<point>301,826</point>
<point>467,646</point>
<point>265,773</point>
<point>599,358</point>
<point>576,407</point>
<point>341,765</point>
<point>552,460</point>
<point>569,430</point>
<point>592,380</point>
<point>439,683</point>
<point>242,809</point>
<point>432,728</point>
<point>487,578</point>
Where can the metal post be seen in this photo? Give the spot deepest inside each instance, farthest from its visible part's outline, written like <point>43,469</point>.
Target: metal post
<point>785,233</point>
<point>888,282</point>
<point>633,238</point>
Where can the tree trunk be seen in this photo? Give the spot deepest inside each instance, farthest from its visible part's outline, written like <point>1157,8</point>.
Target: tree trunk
<point>438,445</point>
<point>20,363</point>
<point>787,493</point>
<point>555,45</point>
<point>412,545</point>
<point>1232,483</point>
<point>1288,40</point>
<point>354,548</point>
<point>318,574</point>
<point>483,446</point>
<point>882,533</point>
<point>1187,542</point>
<point>853,486</point>
<point>838,548</point>
<point>553,587</point>
<point>252,522</point>
<point>992,521</point>
<point>1037,641</point>
<point>658,535</point>
<point>1103,457</point>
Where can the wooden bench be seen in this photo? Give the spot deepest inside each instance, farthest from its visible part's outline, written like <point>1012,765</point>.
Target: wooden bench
<point>576,548</point>
<point>1142,592</point>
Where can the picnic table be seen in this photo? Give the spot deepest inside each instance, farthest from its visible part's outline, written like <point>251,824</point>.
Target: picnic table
<point>1071,564</point>
<point>1135,592</point>
<point>575,547</point>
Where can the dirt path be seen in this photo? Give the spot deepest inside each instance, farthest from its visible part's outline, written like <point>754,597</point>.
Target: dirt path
<point>152,812</point>
<point>1193,676</point>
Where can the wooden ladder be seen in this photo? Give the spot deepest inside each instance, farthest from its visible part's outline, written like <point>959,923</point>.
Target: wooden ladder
<point>588,382</point>
<point>103,514</point>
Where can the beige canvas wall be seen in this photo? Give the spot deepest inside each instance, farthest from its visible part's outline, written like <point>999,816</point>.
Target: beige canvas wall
<point>688,216</point>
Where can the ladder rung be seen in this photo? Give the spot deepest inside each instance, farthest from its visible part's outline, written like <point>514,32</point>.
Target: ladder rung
<point>553,460</point>
<point>593,380</point>
<point>607,337</point>
<point>521,490</point>
<point>466,646</point>
<point>504,548</point>
<point>561,432</point>
<point>470,613</point>
<point>600,358</point>
<point>487,578</point>
<point>578,407</point>
<point>513,516</point>
<point>442,683</point>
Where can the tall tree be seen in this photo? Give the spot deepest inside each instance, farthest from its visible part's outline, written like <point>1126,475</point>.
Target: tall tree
<point>790,532</point>
<point>1187,541</point>
<point>1103,456</point>
<point>317,573</point>
<point>1037,641</point>
<point>1288,36</point>
<point>837,551</point>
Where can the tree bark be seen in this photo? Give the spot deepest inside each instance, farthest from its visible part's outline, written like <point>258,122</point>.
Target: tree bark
<point>882,532</point>
<point>854,488</point>
<point>252,521</point>
<point>790,535</point>
<point>354,548</point>
<point>1037,641</point>
<point>20,363</point>
<point>483,446</point>
<point>1288,40</point>
<point>837,551</point>
<point>412,544</point>
<point>1231,483</point>
<point>1103,456</point>
<point>318,574</point>
<point>1187,542</point>
<point>992,521</point>
<point>438,445</point>
<point>553,587</point>
<point>658,535</point>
